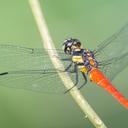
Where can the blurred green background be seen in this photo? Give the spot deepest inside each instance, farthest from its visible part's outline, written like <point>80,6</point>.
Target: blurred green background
<point>88,20</point>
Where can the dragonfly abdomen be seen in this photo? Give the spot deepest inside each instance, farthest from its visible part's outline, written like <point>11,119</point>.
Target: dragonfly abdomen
<point>98,77</point>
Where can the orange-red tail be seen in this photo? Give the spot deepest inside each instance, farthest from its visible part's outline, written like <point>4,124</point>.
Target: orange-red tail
<point>98,77</point>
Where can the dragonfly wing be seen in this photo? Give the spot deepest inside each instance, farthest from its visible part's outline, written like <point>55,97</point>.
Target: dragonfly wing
<point>21,58</point>
<point>33,80</point>
<point>116,44</point>
<point>31,69</point>
<point>113,52</point>
<point>113,66</point>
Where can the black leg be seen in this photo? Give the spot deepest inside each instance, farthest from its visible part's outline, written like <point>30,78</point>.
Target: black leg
<point>85,78</point>
<point>69,66</point>
<point>76,77</point>
<point>69,89</point>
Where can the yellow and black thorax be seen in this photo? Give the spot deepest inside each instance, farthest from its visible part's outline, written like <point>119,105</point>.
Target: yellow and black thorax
<point>77,56</point>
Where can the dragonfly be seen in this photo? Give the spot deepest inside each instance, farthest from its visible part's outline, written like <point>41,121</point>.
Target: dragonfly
<point>31,68</point>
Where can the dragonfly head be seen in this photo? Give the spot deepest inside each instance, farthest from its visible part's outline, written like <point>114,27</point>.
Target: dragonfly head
<point>70,44</point>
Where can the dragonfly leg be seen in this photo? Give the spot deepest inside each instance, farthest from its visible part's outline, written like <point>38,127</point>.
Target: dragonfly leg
<point>69,66</point>
<point>76,77</point>
<point>85,82</point>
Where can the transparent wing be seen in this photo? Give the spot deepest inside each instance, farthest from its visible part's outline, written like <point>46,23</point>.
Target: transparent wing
<point>31,69</point>
<point>115,65</point>
<point>16,57</point>
<point>34,80</point>
<point>112,54</point>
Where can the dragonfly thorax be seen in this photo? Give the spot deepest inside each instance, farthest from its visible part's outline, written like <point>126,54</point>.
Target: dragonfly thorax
<point>77,56</point>
<point>84,58</point>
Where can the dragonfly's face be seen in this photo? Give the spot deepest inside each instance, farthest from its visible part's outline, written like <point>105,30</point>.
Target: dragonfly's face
<point>67,47</point>
<point>70,45</point>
